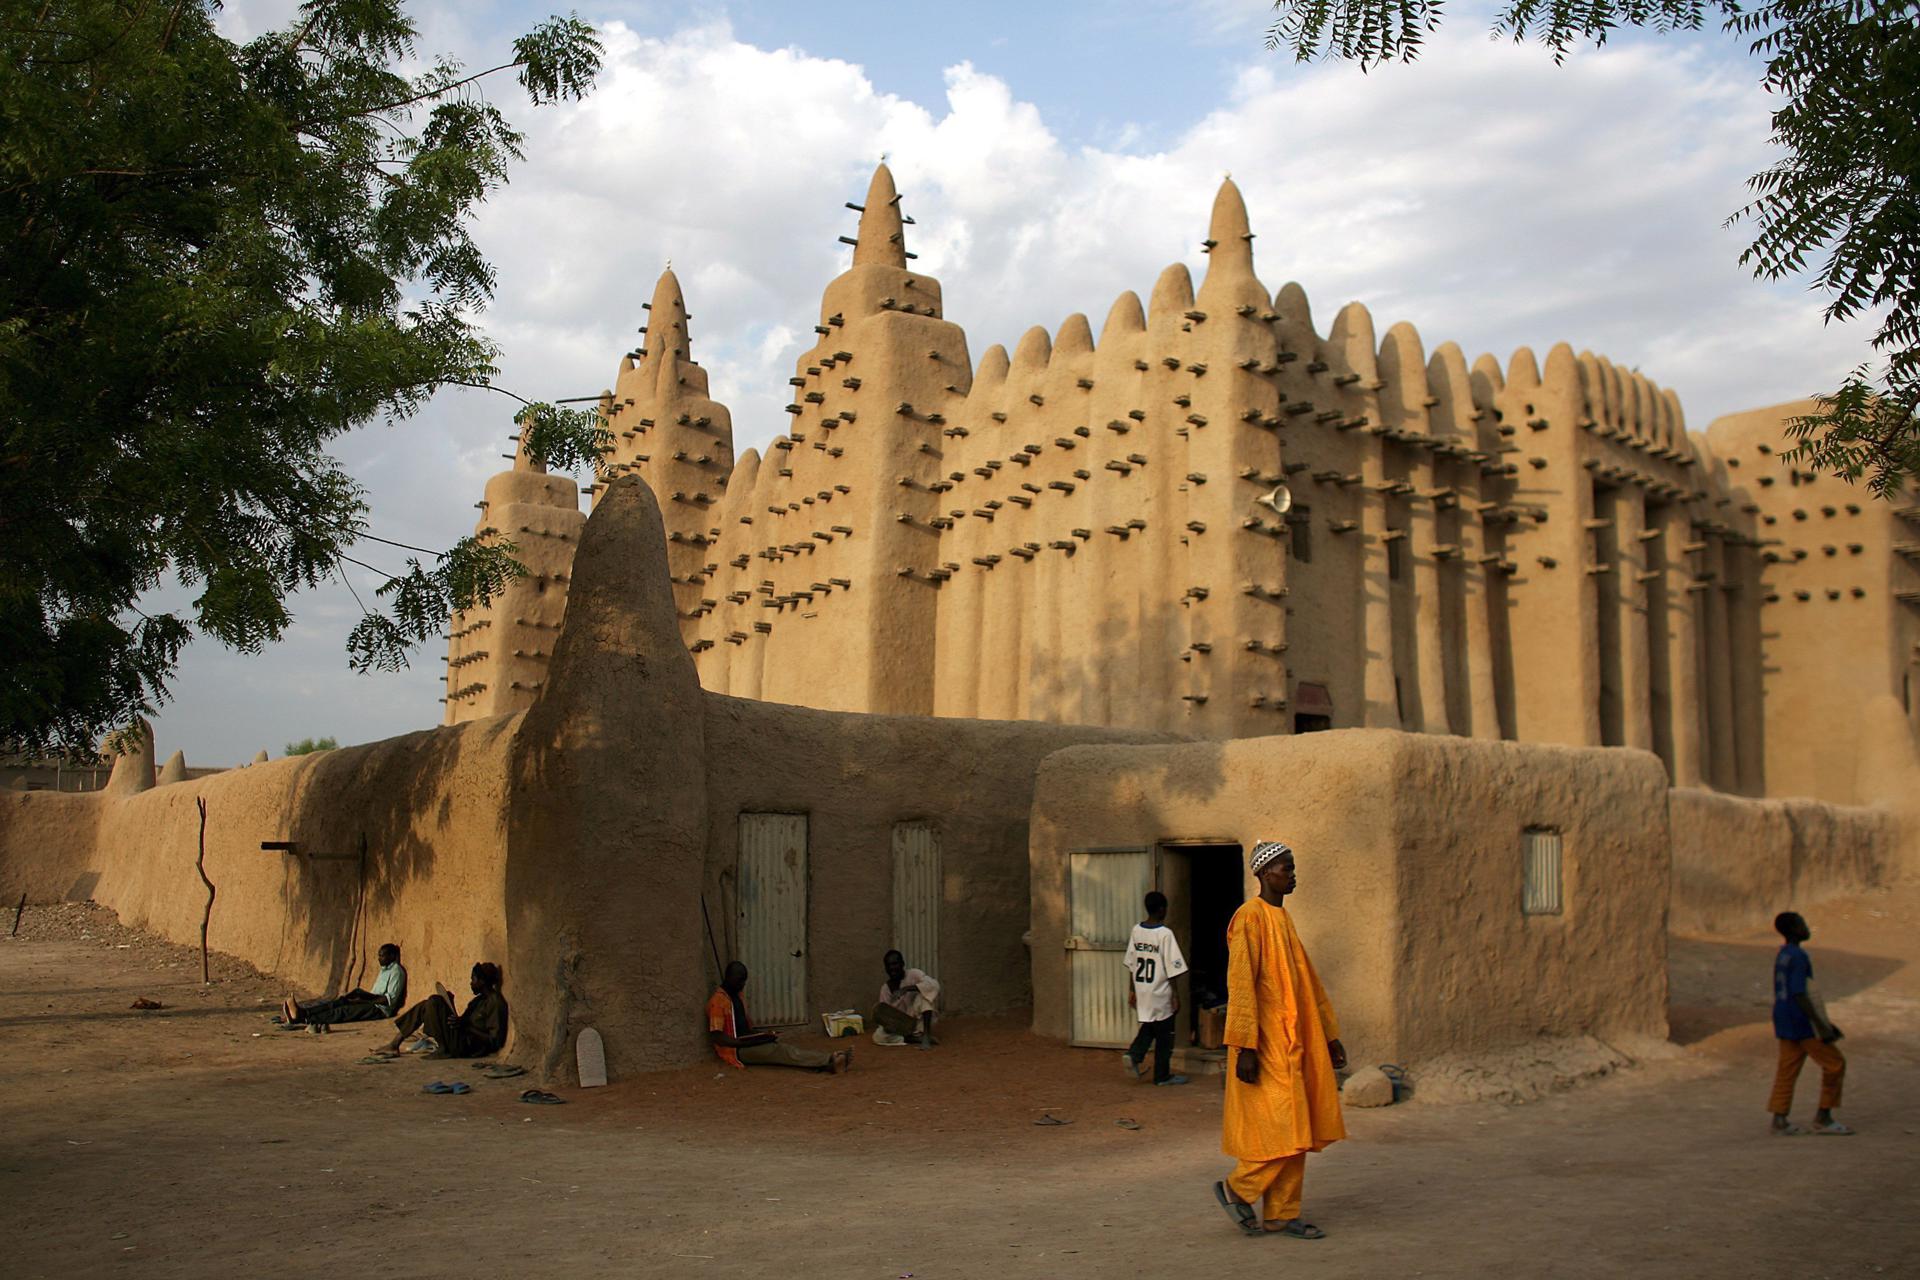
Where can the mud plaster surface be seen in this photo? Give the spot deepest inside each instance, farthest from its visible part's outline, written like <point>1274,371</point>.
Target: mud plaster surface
<point>196,1141</point>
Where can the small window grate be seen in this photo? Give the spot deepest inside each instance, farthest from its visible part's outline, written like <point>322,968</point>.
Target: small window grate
<point>1541,896</point>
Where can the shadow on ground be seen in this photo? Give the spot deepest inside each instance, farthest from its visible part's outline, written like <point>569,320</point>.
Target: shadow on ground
<point>1714,984</point>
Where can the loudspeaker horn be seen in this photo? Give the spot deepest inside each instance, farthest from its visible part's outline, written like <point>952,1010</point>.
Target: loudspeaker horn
<point>1280,500</point>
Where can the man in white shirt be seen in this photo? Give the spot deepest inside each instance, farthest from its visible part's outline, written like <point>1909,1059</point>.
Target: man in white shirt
<point>388,997</point>
<point>1153,961</point>
<point>907,1001</point>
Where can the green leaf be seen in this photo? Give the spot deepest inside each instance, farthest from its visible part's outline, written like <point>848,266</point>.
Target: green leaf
<point>215,260</point>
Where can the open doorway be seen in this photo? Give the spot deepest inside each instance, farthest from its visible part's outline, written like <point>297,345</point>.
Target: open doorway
<point>1205,884</point>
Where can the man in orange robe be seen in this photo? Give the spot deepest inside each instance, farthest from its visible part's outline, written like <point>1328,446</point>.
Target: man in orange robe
<point>1283,1046</point>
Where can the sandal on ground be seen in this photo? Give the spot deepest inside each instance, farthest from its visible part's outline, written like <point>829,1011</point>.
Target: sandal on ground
<point>1789,1131</point>
<point>1242,1214</point>
<point>1836,1129</point>
<point>375,1059</point>
<point>540,1097</point>
<point>1298,1229</point>
<point>441,1086</point>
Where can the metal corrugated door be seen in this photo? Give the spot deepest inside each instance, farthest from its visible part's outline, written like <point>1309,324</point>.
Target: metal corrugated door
<point>771,916</point>
<point>1104,893</point>
<point>917,890</point>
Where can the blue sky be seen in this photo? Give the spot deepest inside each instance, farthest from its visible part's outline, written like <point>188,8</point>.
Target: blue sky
<point>1053,155</point>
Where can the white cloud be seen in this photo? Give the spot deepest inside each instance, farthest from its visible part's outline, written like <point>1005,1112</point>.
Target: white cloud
<point>1484,194</point>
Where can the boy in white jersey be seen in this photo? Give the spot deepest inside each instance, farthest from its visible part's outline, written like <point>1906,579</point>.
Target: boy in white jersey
<point>1153,961</point>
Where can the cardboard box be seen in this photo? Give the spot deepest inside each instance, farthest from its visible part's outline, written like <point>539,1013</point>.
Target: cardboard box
<point>1213,1027</point>
<point>843,1022</point>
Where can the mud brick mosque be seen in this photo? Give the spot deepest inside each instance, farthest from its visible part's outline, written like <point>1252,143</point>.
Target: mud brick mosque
<point>1218,522</point>
<point>977,653</point>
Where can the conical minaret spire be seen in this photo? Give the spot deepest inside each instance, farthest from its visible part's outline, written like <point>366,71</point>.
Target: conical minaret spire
<point>1230,280</point>
<point>881,239</point>
<point>667,340</point>
<point>1229,237</point>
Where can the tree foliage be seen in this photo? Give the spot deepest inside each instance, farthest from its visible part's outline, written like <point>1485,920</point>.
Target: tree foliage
<point>215,259</point>
<point>1842,204</point>
<point>307,746</point>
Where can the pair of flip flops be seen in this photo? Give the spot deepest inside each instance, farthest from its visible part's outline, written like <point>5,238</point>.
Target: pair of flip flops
<point>541,1098</point>
<point>441,1086</point>
<point>1248,1220</point>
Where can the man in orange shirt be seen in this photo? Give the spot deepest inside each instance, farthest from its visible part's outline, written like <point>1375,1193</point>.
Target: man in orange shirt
<point>738,1044</point>
<point>1283,1046</point>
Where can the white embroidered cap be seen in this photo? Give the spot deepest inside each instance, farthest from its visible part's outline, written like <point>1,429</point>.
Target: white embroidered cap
<point>1264,852</point>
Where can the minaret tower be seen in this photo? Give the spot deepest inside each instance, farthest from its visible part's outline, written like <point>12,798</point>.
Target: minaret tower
<point>667,430</point>
<point>497,653</point>
<point>844,504</point>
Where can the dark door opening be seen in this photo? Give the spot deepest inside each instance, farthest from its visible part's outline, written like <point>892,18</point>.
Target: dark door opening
<point>1304,722</point>
<point>1205,884</point>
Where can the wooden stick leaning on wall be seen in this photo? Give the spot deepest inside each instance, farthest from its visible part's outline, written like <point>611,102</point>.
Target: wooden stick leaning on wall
<point>200,865</point>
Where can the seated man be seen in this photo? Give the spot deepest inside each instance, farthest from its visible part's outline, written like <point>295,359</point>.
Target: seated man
<point>738,1044</point>
<point>388,997</point>
<point>481,1030</point>
<point>905,1012</point>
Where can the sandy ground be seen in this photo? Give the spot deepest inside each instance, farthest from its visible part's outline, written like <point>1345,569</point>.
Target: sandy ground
<point>195,1140</point>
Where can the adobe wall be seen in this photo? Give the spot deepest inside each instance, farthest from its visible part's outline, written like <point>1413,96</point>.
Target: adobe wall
<point>571,842</point>
<point>46,842</point>
<point>855,777</point>
<point>1737,863</point>
<point>1841,644</point>
<point>429,805</point>
<point>1410,857</point>
<point>1307,791</point>
<point>1472,971</point>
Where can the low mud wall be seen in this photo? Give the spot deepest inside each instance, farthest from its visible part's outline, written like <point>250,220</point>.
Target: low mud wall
<point>395,841</point>
<point>1739,862</point>
<point>855,777</point>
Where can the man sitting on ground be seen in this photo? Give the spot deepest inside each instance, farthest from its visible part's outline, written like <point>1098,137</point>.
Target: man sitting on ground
<point>907,999</point>
<point>738,1043</point>
<point>388,997</point>
<point>481,1030</point>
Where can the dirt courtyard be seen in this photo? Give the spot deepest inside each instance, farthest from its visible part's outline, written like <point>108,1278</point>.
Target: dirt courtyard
<point>197,1140</point>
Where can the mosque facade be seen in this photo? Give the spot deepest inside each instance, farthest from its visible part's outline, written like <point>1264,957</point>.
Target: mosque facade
<point>1217,521</point>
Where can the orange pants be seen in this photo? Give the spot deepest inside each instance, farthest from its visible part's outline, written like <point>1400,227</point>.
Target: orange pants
<point>1793,1055</point>
<point>1277,1182</point>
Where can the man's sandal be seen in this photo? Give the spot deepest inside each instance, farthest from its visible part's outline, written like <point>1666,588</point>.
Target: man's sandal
<point>1296,1228</point>
<point>1836,1129</point>
<point>1242,1214</point>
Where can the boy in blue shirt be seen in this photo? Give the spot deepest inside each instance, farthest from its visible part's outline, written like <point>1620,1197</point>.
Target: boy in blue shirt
<point>1801,1026</point>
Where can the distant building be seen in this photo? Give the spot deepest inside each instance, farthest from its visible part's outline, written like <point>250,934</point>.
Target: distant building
<point>52,773</point>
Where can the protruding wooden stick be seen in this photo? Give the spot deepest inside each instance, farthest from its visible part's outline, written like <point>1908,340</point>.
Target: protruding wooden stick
<point>200,865</point>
